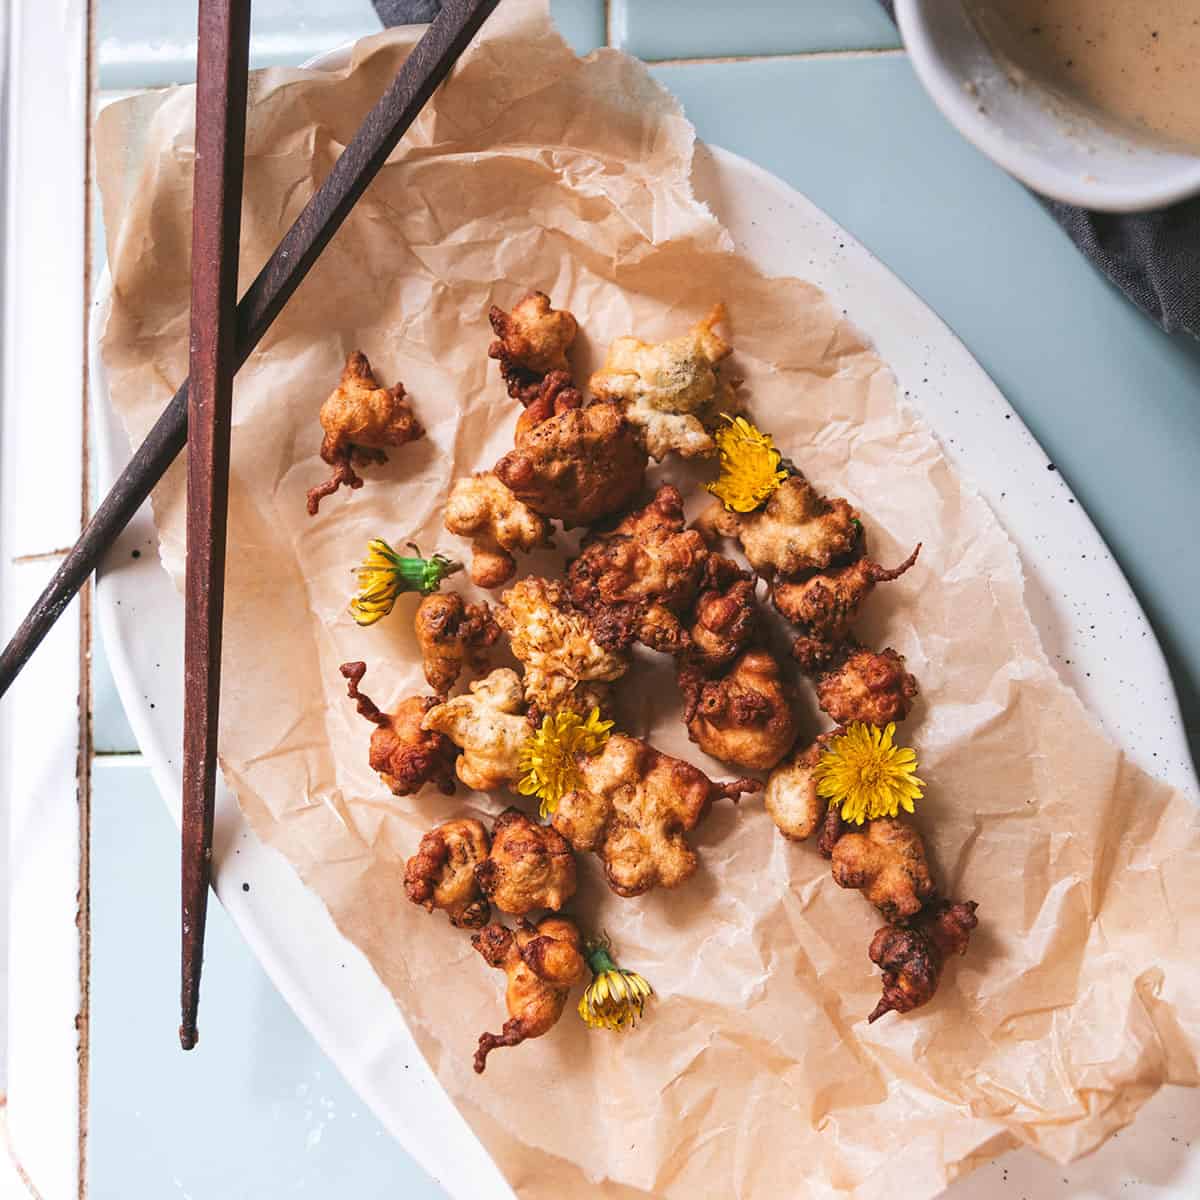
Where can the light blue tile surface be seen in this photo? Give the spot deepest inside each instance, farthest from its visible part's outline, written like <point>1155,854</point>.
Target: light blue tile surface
<point>657,29</point>
<point>256,1112</point>
<point>581,22</point>
<point>142,44</point>
<point>1115,402</point>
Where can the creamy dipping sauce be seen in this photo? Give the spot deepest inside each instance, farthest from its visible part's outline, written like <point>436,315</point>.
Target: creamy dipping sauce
<point>1137,61</point>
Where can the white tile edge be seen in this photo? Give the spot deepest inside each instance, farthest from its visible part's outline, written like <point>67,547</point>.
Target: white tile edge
<point>45,82</point>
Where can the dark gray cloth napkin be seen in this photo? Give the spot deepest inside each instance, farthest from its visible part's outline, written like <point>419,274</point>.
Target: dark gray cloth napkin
<point>1154,257</point>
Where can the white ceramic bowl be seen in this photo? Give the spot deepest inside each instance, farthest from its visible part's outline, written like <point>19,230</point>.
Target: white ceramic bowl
<point>1058,147</point>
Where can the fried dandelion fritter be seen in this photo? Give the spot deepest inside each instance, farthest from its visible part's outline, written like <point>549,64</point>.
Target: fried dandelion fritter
<point>483,509</point>
<point>824,605</point>
<point>530,866</point>
<point>542,963</point>
<point>912,957</point>
<point>863,685</point>
<point>577,466</point>
<point>636,579</point>
<point>887,863</point>
<point>671,390</point>
<point>724,617</point>
<point>746,718</point>
<point>634,807</point>
<point>442,873</point>
<point>361,420</point>
<point>565,664</point>
<point>797,530</point>
<point>489,725</point>
<point>406,755</point>
<point>530,343</point>
<point>453,635</point>
<point>555,395</point>
<point>791,797</point>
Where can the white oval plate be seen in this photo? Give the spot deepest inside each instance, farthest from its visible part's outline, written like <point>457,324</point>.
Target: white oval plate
<point>1091,626</point>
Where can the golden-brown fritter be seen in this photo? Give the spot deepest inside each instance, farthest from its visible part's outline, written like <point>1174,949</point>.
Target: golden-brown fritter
<point>542,963</point>
<point>530,866</point>
<point>823,605</point>
<point>442,873</point>
<point>671,390</point>
<point>489,725</point>
<point>912,957</point>
<point>791,796</point>
<point>746,718</point>
<point>866,686</point>
<point>797,530</point>
<point>578,466</point>
<point>832,828</point>
<point>405,754</point>
<point>482,508</point>
<point>724,618</point>
<point>453,635</point>
<point>886,862</point>
<point>554,395</point>
<point>633,808</point>
<point>635,580</point>
<point>361,420</point>
<point>530,342</point>
<point>565,664</point>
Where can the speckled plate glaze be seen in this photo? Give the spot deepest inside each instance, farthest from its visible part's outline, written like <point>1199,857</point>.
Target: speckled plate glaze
<point>1091,625</point>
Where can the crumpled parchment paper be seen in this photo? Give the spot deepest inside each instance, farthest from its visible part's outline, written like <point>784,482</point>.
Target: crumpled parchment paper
<point>755,1073</point>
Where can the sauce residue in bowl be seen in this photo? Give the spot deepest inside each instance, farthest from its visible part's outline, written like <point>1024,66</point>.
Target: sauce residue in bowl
<point>1135,61</point>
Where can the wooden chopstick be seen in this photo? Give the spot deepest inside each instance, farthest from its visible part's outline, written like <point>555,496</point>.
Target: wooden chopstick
<point>222,73</point>
<point>382,128</point>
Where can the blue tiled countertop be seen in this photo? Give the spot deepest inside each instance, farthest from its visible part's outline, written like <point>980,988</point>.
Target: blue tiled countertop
<point>816,91</point>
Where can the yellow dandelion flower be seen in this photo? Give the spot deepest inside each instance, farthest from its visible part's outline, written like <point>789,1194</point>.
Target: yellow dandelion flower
<point>547,761</point>
<point>751,467</point>
<point>384,575</point>
<point>615,999</point>
<point>866,773</point>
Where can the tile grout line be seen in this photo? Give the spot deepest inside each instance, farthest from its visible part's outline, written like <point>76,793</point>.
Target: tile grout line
<point>791,56</point>
<point>83,915</point>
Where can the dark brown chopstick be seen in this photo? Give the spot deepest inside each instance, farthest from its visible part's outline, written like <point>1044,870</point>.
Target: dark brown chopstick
<point>426,67</point>
<point>222,70</point>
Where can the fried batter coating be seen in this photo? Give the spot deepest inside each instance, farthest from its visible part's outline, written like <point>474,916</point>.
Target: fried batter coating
<point>542,965</point>
<point>489,725</point>
<point>442,873</point>
<point>791,797</point>
<point>530,866</point>
<point>724,618</point>
<point>360,420</point>
<point>530,342</point>
<point>866,686</point>
<point>746,718</point>
<point>554,395</point>
<point>797,530</point>
<point>887,864</point>
<point>635,580</point>
<point>577,466</point>
<point>633,808</point>
<point>824,605</point>
<point>671,390</point>
<point>452,635</point>
<point>565,664</point>
<point>912,958</point>
<point>483,509</point>
<point>832,829</point>
<point>404,753</point>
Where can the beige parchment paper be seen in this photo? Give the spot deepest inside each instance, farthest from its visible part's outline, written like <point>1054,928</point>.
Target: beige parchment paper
<point>755,1073</point>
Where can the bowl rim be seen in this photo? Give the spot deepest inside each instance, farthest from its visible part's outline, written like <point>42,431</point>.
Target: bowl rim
<point>1031,168</point>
